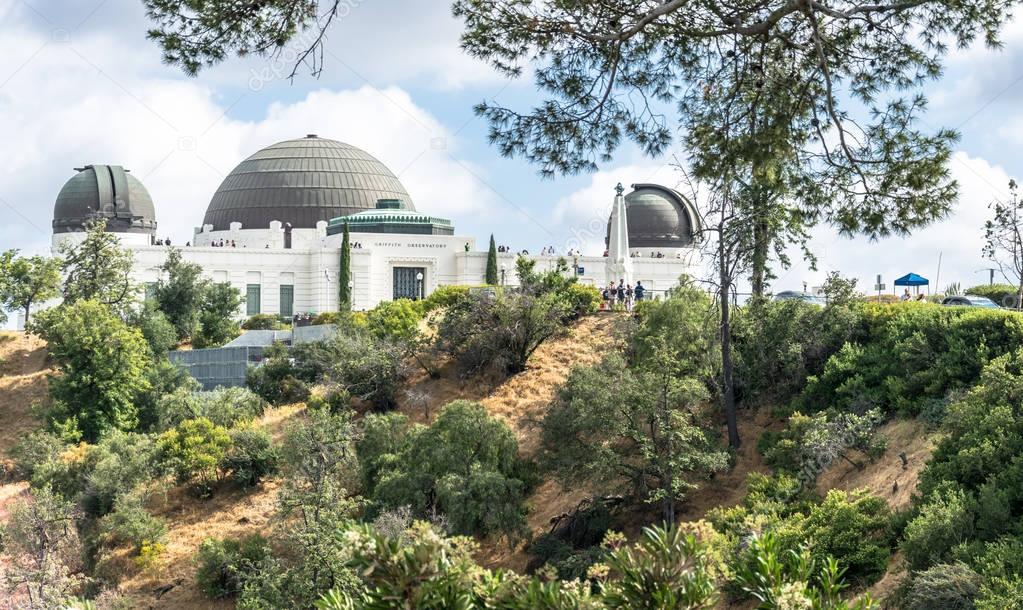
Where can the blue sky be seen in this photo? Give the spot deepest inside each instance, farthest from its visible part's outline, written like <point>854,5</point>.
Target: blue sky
<point>80,84</point>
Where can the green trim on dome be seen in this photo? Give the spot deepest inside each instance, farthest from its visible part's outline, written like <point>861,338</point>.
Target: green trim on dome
<point>387,219</point>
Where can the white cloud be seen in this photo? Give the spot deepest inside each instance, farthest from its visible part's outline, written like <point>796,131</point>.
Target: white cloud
<point>89,101</point>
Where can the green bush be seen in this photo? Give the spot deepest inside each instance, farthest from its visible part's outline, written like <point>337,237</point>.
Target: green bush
<point>461,466</point>
<point>264,321</point>
<point>277,380</point>
<point>443,296</point>
<point>194,450</point>
<point>778,344</point>
<point>581,299</point>
<point>130,523</point>
<point>225,564</point>
<point>853,528</point>
<point>395,320</point>
<point>119,464</point>
<point>222,406</point>
<point>252,456</point>
<point>366,368</point>
<point>904,355</point>
<point>944,521</point>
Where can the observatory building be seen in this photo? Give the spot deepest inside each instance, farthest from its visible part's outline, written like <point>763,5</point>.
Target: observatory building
<point>274,227</point>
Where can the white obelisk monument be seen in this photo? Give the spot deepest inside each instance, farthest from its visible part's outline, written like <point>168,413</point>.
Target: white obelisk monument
<point>619,263</point>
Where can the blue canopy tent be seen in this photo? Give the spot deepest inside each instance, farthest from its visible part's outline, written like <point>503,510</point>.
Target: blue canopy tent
<point>913,280</point>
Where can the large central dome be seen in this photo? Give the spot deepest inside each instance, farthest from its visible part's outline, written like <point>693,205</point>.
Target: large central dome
<point>302,182</point>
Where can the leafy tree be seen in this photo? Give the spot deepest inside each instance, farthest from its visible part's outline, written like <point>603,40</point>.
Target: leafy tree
<point>103,364</point>
<point>181,293</point>
<point>42,552</point>
<point>220,303</point>
<point>194,450</point>
<point>223,406</point>
<point>98,269</point>
<point>225,564</point>
<point>344,276</point>
<point>159,333</point>
<point>839,291</point>
<point>367,368</point>
<point>27,280</point>
<point>252,456</point>
<point>611,423</point>
<point>463,466</point>
<point>491,276</point>
<point>1003,238</point>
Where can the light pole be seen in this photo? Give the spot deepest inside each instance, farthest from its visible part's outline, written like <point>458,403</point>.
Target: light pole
<point>575,265</point>
<point>419,279</point>
<point>504,267</point>
<point>351,293</point>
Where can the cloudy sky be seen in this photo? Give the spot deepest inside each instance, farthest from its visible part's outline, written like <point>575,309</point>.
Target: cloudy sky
<point>80,84</point>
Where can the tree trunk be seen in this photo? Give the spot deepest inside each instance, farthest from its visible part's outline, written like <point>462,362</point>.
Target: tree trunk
<point>1019,294</point>
<point>761,246</point>
<point>28,306</point>
<point>727,377</point>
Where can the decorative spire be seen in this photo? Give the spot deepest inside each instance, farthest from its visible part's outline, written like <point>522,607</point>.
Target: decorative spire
<point>619,189</point>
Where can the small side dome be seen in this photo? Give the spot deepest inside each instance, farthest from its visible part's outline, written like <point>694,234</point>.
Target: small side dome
<point>104,192</point>
<point>659,217</point>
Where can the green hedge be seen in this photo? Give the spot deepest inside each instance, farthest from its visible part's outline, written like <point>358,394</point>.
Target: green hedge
<point>901,356</point>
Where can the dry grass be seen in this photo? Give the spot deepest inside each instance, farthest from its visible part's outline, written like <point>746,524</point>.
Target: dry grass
<point>23,384</point>
<point>886,477</point>
<point>229,513</point>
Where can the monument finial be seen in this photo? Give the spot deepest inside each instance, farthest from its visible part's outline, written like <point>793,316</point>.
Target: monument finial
<point>619,189</point>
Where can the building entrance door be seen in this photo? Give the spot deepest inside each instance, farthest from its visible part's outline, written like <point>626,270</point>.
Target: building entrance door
<point>406,286</point>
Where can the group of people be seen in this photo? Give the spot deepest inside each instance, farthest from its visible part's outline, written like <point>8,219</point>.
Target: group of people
<point>622,294</point>
<point>224,243</point>
<point>908,297</point>
<point>162,242</point>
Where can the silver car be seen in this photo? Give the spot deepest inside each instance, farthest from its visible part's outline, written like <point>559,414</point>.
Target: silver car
<point>970,300</point>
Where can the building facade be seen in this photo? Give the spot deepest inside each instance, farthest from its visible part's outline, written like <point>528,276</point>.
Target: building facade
<point>274,230</point>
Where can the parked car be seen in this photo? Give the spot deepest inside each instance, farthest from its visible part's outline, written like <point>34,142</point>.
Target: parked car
<point>795,295</point>
<point>970,300</point>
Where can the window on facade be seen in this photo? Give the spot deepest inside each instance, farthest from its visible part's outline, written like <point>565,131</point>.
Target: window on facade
<point>252,306</point>
<point>287,300</point>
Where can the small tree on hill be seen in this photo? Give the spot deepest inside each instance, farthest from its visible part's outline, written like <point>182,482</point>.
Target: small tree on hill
<point>344,276</point>
<point>103,364</point>
<point>181,292</point>
<point>27,280</point>
<point>220,305</point>
<point>492,263</point>
<point>1003,239</point>
<point>98,269</point>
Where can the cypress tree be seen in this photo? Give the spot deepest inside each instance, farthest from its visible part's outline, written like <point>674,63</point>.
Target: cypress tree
<point>344,291</point>
<point>492,263</point>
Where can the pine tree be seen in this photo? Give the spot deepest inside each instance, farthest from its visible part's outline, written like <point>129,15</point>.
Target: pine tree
<point>492,263</point>
<point>344,277</point>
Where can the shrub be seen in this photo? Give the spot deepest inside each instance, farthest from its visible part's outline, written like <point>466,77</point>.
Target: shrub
<point>194,451</point>
<point>581,299</point>
<point>217,326</point>
<point>498,333</point>
<point>443,296</point>
<point>120,463</point>
<point>853,528</point>
<point>809,444</point>
<point>130,523</point>
<point>225,564</point>
<point>252,456</point>
<point>222,406</point>
<point>946,586</point>
<point>360,365</point>
<point>396,320</point>
<point>277,379</point>
<point>945,521</point>
<point>264,321</point>
<point>461,466</point>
